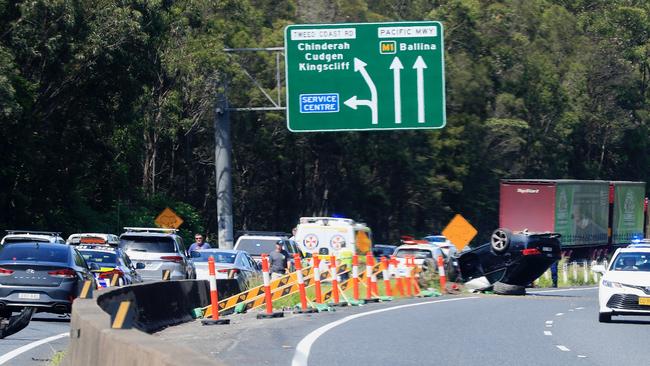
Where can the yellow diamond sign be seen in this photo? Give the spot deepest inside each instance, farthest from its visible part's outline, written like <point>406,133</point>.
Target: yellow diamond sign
<point>168,219</point>
<point>459,231</point>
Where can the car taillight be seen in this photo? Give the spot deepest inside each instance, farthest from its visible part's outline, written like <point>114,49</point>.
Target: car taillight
<point>63,273</point>
<point>172,258</point>
<point>234,270</point>
<point>531,251</point>
<point>5,272</point>
<point>109,274</point>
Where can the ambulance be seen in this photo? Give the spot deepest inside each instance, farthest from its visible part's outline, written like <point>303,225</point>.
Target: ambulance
<point>326,236</point>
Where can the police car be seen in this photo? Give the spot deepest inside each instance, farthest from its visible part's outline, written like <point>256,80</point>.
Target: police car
<point>625,286</point>
<point>116,269</point>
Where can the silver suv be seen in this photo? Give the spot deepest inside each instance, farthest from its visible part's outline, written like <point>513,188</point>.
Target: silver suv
<point>158,250</point>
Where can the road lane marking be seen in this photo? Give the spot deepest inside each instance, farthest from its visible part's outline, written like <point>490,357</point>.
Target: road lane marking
<point>582,356</point>
<point>27,347</point>
<point>563,348</point>
<point>559,314</point>
<point>549,322</point>
<point>580,308</point>
<point>562,290</point>
<point>548,333</point>
<point>301,356</point>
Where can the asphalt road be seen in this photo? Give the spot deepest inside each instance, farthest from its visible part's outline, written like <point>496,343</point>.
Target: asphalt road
<point>546,327</point>
<point>42,327</point>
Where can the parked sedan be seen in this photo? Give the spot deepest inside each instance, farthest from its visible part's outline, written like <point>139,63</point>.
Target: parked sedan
<point>510,261</point>
<point>112,262</point>
<point>234,268</point>
<point>42,275</point>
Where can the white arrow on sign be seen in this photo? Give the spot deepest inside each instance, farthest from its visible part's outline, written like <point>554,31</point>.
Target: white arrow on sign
<point>419,65</point>
<point>360,66</point>
<point>397,66</point>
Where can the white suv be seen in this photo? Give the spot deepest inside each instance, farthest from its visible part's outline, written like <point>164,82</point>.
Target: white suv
<point>625,286</point>
<point>22,236</point>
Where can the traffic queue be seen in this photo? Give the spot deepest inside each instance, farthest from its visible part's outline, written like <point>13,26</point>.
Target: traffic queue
<point>36,270</point>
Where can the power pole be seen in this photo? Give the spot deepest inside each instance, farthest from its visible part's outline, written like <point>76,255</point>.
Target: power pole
<point>223,176</point>
<point>223,144</point>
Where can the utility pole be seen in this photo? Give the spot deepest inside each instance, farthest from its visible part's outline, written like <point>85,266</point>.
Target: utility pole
<point>223,176</point>
<point>223,144</point>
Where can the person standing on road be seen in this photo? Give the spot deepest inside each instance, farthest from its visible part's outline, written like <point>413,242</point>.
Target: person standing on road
<point>554,273</point>
<point>199,244</point>
<point>278,261</point>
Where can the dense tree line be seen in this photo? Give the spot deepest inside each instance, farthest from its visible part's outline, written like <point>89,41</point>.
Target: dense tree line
<point>107,109</point>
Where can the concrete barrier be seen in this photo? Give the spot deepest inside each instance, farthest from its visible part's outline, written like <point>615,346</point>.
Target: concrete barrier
<point>157,305</point>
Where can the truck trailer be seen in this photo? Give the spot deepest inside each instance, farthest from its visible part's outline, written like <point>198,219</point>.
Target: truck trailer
<point>589,214</point>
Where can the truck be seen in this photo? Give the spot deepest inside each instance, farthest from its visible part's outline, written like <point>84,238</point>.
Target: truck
<point>591,215</point>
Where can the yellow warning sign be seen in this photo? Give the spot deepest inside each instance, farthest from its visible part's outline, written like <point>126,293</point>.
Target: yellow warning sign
<point>168,219</point>
<point>459,231</point>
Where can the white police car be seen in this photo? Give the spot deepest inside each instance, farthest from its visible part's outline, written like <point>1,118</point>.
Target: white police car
<point>115,267</point>
<point>625,286</point>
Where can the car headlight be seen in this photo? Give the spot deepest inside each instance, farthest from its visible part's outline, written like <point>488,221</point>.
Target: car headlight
<point>611,284</point>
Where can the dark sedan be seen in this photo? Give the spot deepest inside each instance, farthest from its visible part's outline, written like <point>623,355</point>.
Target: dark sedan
<point>41,275</point>
<point>510,261</point>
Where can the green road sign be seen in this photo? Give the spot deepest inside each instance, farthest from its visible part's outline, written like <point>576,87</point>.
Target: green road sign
<point>365,76</point>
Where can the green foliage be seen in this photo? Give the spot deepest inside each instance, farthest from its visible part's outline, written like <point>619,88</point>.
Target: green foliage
<point>107,110</point>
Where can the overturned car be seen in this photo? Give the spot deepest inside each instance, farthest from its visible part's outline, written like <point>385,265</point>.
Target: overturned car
<point>509,262</point>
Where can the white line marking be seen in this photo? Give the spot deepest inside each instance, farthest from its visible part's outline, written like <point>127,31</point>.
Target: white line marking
<point>549,325</point>
<point>580,308</point>
<point>559,314</point>
<point>303,348</point>
<point>548,333</point>
<point>29,346</point>
<point>549,322</point>
<point>571,310</point>
<point>582,356</point>
<point>562,290</point>
<point>563,348</point>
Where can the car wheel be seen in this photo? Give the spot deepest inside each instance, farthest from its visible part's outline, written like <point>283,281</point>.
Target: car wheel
<point>604,317</point>
<point>500,240</point>
<point>501,288</point>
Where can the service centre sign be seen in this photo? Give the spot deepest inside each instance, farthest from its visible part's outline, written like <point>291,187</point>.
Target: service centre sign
<point>365,76</point>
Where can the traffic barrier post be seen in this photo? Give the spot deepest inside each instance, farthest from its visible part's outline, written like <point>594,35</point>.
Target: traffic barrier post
<point>335,283</point>
<point>355,281</point>
<point>370,263</point>
<point>214,297</point>
<point>267,292</point>
<point>441,273</point>
<point>386,275</point>
<point>355,277</point>
<point>301,288</point>
<point>416,284</point>
<point>400,283</point>
<point>317,287</point>
<point>410,278</point>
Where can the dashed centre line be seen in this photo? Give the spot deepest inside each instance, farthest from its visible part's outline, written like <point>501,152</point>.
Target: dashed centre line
<point>562,348</point>
<point>548,333</point>
<point>559,314</point>
<point>549,322</point>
